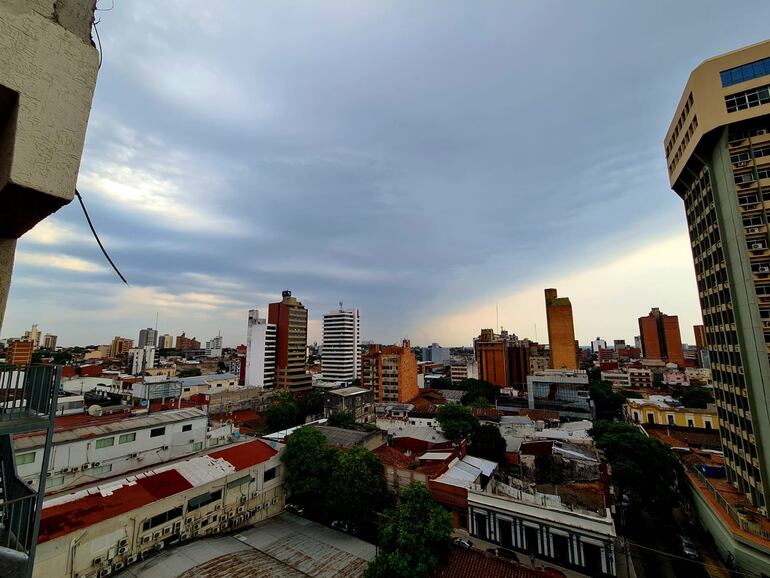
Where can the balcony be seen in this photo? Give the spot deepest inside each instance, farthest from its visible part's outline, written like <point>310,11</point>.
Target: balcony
<point>27,394</point>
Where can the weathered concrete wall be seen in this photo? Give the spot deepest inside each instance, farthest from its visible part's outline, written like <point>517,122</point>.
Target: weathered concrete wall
<point>7,250</point>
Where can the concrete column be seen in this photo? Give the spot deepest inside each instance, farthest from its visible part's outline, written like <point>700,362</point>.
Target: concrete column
<point>7,252</point>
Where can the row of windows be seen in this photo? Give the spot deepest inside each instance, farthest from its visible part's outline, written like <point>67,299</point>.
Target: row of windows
<point>684,143</point>
<point>679,124</point>
<point>745,72</point>
<point>131,437</point>
<point>747,98</point>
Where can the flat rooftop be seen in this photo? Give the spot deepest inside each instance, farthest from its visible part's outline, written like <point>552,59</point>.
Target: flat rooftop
<point>285,546</point>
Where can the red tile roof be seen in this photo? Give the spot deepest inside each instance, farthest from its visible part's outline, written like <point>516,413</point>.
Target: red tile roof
<point>472,563</point>
<point>244,456</point>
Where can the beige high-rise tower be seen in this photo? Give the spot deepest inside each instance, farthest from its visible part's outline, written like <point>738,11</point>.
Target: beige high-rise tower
<point>561,331</point>
<point>718,157</point>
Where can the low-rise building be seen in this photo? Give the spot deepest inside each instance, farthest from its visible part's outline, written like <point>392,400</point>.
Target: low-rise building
<point>204,383</point>
<point>565,391</point>
<point>356,401</point>
<point>656,411</point>
<point>619,378</point>
<point>102,529</point>
<point>640,377</point>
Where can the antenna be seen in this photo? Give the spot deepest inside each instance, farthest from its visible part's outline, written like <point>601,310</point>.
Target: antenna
<point>340,305</point>
<point>497,316</point>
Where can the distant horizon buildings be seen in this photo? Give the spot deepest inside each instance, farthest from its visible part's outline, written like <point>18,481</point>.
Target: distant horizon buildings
<point>260,352</point>
<point>661,338</point>
<point>120,345</point>
<point>184,343</point>
<point>33,335</point>
<point>561,331</point>
<point>147,336</point>
<point>165,341</point>
<point>341,356</point>
<point>214,347</point>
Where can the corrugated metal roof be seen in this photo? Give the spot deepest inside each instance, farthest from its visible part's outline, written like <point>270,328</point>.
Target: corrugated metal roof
<point>111,428</point>
<point>204,379</point>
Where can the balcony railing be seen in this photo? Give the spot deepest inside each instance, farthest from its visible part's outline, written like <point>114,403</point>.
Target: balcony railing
<point>26,393</point>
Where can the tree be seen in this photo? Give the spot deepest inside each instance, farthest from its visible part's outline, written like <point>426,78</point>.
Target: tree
<point>441,383</point>
<point>641,466</point>
<point>309,462</point>
<point>189,372</point>
<point>696,397</point>
<point>415,538</point>
<point>342,419</point>
<point>476,390</point>
<point>62,357</point>
<point>608,404</point>
<point>456,421</point>
<point>358,489</point>
<point>283,413</point>
<point>487,443</point>
<point>313,404</point>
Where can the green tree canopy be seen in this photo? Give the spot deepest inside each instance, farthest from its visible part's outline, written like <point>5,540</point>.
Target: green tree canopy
<point>309,462</point>
<point>283,412</point>
<point>342,419</point>
<point>696,397</point>
<point>415,538</point>
<point>358,489</point>
<point>189,372</point>
<point>487,443</point>
<point>456,421</point>
<point>313,404</point>
<point>608,404</point>
<point>476,389</point>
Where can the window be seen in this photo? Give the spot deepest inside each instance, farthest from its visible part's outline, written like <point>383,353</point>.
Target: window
<point>203,500</point>
<point>270,474</point>
<point>746,72</point>
<point>54,482</point>
<point>670,419</point>
<point>27,458</point>
<point>99,470</point>
<point>747,98</point>
<point>105,443</point>
<point>239,482</point>
<point>187,427</point>
<point>127,438</point>
<point>707,424</point>
<point>690,423</point>
<point>157,432</point>
<point>197,446</point>
<point>161,518</point>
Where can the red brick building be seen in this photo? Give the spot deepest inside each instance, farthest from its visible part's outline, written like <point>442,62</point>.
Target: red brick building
<point>20,352</point>
<point>661,338</point>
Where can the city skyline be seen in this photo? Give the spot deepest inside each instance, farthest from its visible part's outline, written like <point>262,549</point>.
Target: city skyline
<point>606,209</point>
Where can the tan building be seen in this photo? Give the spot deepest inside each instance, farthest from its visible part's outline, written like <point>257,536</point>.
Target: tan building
<point>120,345</point>
<point>718,156</point>
<point>561,331</point>
<point>20,352</point>
<point>49,341</point>
<point>390,371</point>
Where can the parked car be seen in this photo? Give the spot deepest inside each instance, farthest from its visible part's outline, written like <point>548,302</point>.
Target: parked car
<point>463,542</point>
<point>689,548</point>
<point>506,553</point>
<point>295,509</point>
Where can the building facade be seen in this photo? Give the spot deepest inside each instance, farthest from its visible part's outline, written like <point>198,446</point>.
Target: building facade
<point>49,341</point>
<point>436,354</point>
<point>165,341</point>
<point>184,343</point>
<point>341,357</point>
<point>357,401</point>
<point>214,347</point>
<point>20,352</point>
<point>140,359</point>
<point>290,319</point>
<point>717,151</point>
<point>390,371</point>
<point>502,359</point>
<point>260,352</point>
<point>148,336</point>
<point>648,412</point>
<point>561,331</point>
<point>120,345</point>
<point>661,338</point>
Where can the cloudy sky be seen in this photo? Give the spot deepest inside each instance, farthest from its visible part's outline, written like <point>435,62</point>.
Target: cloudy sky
<point>428,162</point>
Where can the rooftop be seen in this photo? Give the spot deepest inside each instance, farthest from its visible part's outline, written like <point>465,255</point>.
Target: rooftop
<point>473,563</point>
<point>348,391</point>
<point>204,379</point>
<point>69,512</point>
<point>344,438</point>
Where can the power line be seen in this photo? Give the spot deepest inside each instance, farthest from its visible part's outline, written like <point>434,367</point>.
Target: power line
<point>90,224</point>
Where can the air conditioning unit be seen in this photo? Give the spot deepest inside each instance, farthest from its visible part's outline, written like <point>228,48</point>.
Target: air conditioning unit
<point>241,509</point>
<point>242,500</point>
<point>130,559</point>
<point>48,474</point>
<point>218,507</point>
<point>156,535</point>
<point>134,455</point>
<point>123,542</point>
<point>97,561</point>
<point>757,245</point>
<point>117,566</point>
<point>146,539</point>
<point>189,520</point>
<point>230,514</point>
<point>741,164</point>
<point>192,441</point>
<point>86,466</point>
<point>185,536</point>
<point>96,464</point>
<point>760,131</point>
<point>106,572</point>
<point>164,448</point>
<point>753,229</point>
<point>764,269</point>
<point>159,545</point>
<point>166,530</point>
<point>197,526</point>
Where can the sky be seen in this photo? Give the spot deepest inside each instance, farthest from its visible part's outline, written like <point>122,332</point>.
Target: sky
<point>435,164</point>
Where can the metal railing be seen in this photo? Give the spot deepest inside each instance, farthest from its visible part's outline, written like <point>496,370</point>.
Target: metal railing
<point>743,523</point>
<point>27,391</point>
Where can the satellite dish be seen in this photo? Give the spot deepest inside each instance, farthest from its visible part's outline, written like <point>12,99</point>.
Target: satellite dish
<point>95,410</point>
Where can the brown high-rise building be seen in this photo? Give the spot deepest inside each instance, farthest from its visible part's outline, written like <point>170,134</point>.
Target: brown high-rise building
<point>700,336</point>
<point>561,331</point>
<point>501,360</point>
<point>184,343</point>
<point>390,371</point>
<point>661,338</point>
<point>120,345</point>
<point>20,352</point>
<point>290,319</point>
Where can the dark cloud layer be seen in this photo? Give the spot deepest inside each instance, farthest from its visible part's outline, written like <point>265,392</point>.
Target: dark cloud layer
<point>405,157</point>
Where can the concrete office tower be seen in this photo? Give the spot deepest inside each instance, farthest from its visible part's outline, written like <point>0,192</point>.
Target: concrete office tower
<point>598,344</point>
<point>341,358</point>
<point>49,341</point>
<point>661,338</point>
<point>390,371</point>
<point>561,331</point>
<point>33,335</point>
<point>214,347</point>
<point>260,352</point>
<point>166,341</point>
<point>718,156</point>
<point>141,358</point>
<point>436,354</point>
<point>147,337</point>
<point>290,319</point>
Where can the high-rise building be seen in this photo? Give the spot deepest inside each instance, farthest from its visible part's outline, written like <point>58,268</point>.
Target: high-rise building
<point>260,352</point>
<point>33,335</point>
<point>638,341</point>
<point>120,345</point>
<point>20,352</point>
<point>390,371</point>
<point>147,336</point>
<point>49,341</point>
<point>718,156</point>
<point>184,343</point>
<point>661,338</point>
<point>141,359</point>
<point>165,341</point>
<point>619,344</point>
<point>435,354</point>
<point>598,344</point>
<point>501,359</point>
<point>214,347</point>
<point>290,319</point>
<point>561,331</point>
<point>341,357</point>
<point>700,336</point>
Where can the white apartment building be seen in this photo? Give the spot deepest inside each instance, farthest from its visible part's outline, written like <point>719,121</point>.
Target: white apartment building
<point>598,344</point>
<point>107,447</point>
<point>100,530</point>
<point>214,347</point>
<point>260,351</point>
<point>341,358</point>
<point>463,368</point>
<point>141,359</point>
<point>616,377</point>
